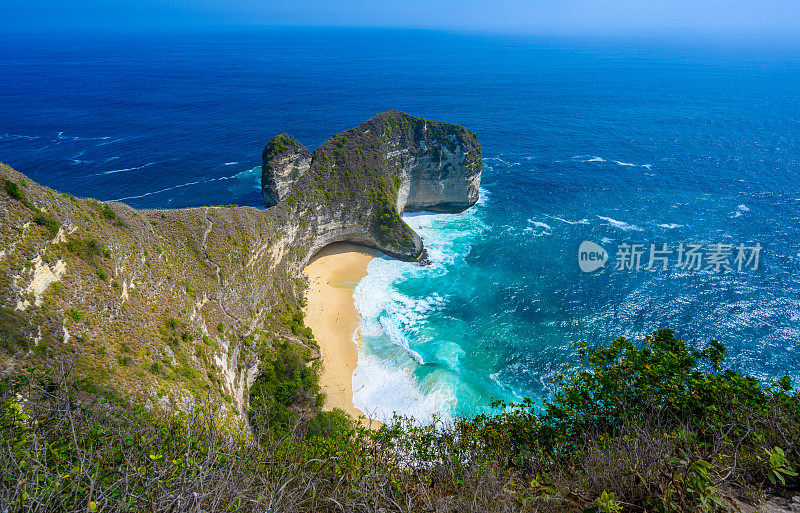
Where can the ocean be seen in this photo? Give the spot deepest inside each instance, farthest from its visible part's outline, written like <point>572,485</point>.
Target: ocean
<point>641,145</point>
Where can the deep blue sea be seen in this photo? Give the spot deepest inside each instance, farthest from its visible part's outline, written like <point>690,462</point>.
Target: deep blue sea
<point>618,141</point>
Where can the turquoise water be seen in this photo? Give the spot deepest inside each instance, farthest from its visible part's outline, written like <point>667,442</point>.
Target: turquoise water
<point>641,141</point>
<point>494,315</point>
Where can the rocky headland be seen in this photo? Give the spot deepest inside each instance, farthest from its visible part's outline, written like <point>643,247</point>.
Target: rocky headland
<point>173,307</point>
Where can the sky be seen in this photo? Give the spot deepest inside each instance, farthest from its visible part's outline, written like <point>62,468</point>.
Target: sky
<point>533,16</point>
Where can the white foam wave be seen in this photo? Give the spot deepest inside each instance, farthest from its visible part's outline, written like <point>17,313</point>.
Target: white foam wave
<point>588,158</point>
<point>230,163</point>
<point>741,209</point>
<point>539,224</point>
<point>594,158</point>
<point>75,160</point>
<point>622,225</point>
<point>179,186</point>
<point>582,221</point>
<point>247,180</point>
<point>502,161</point>
<point>19,136</point>
<point>670,225</point>
<point>399,339</point>
<point>497,377</point>
<point>123,170</point>
<point>381,389</point>
<point>238,176</point>
<point>61,137</point>
<point>384,381</point>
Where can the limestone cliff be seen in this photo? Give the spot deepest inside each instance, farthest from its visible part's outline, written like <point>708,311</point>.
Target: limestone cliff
<point>285,160</point>
<point>357,184</point>
<point>175,306</point>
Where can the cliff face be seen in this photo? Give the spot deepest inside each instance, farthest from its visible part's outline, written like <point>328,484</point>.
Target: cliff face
<point>174,306</point>
<point>358,183</point>
<point>284,161</point>
<point>167,307</point>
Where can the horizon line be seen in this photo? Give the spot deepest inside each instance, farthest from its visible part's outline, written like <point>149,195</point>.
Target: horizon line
<point>611,32</point>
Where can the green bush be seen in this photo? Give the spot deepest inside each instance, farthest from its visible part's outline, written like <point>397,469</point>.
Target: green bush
<point>294,319</point>
<point>13,190</point>
<point>330,424</point>
<point>108,212</point>
<point>87,249</point>
<point>48,221</point>
<point>662,426</point>
<point>285,387</point>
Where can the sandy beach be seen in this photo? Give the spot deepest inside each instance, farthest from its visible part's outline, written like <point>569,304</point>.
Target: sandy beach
<point>331,314</point>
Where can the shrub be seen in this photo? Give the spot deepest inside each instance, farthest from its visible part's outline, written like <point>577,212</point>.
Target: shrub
<point>330,424</point>
<point>285,386</point>
<point>108,212</point>
<point>48,221</point>
<point>184,371</point>
<point>87,249</point>
<point>293,318</point>
<point>13,190</point>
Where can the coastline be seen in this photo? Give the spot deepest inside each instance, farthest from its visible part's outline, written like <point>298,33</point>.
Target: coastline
<point>331,314</point>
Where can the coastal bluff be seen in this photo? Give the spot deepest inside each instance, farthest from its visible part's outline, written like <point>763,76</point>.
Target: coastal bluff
<point>356,186</point>
<point>184,306</point>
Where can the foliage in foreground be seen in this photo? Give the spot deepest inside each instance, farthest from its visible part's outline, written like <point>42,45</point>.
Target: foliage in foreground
<point>656,428</point>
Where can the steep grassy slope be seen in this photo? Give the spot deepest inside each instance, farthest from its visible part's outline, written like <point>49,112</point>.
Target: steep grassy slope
<point>167,306</point>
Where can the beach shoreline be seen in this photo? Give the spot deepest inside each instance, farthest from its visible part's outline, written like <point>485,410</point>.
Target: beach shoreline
<point>331,314</point>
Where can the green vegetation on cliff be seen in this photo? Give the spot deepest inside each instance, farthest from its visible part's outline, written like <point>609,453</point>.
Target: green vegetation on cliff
<point>131,299</point>
<point>659,427</point>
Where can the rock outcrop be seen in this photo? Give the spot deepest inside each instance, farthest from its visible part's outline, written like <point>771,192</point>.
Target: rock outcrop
<point>356,186</point>
<point>284,161</point>
<point>184,305</point>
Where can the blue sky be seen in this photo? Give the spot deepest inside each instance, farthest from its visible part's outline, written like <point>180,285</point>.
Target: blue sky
<point>535,16</point>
